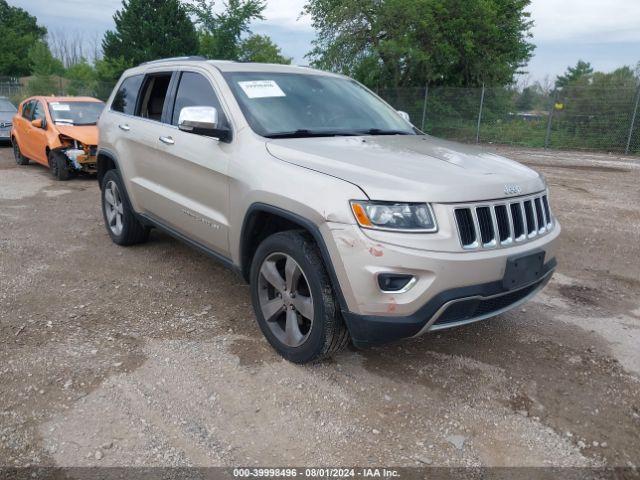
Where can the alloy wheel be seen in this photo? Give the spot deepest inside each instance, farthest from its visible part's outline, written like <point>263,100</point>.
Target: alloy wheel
<point>285,299</point>
<point>113,207</point>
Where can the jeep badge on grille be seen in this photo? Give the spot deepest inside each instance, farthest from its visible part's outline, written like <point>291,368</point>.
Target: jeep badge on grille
<point>512,189</point>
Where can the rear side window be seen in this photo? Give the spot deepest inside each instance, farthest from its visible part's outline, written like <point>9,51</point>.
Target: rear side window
<point>27,110</point>
<point>127,95</point>
<point>153,96</point>
<point>195,91</point>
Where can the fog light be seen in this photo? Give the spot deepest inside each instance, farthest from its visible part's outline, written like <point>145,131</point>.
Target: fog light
<point>395,282</point>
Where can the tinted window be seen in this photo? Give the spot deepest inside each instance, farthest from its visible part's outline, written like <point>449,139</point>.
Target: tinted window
<point>153,96</point>
<point>195,91</point>
<point>125,99</point>
<point>27,110</point>
<point>38,112</point>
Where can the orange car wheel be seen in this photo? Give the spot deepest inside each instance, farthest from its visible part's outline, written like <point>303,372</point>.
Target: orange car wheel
<point>59,166</point>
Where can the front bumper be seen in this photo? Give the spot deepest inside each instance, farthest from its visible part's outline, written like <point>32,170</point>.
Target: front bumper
<point>452,308</point>
<point>451,289</point>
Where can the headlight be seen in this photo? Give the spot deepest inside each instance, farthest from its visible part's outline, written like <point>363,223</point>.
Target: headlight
<point>407,217</point>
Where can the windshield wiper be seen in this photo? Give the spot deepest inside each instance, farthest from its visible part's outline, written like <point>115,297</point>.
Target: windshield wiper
<point>304,133</point>
<point>379,131</point>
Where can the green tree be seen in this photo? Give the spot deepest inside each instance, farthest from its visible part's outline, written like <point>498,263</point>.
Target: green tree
<point>46,70</point>
<point>221,33</point>
<point>82,79</point>
<point>404,43</point>
<point>19,31</point>
<point>260,48</point>
<point>108,72</point>
<point>526,100</point>
<point>149,30</point>
<point>580,73</point>
<point>42,60</point>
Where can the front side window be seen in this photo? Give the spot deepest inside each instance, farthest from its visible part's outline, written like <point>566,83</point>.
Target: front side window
<point>153,96</point>
<point>127,95</point>
<point>195,91</point>
<point>38,112</point>
<point>27,109</point>
<point>298,105</point>
<point>75,113</point>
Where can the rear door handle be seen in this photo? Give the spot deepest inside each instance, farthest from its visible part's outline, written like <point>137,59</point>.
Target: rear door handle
<point>124,127</point>
<point>167,140</point>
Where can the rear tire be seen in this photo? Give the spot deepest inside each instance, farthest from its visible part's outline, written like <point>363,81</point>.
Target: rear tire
<point>20,159</point>
<point>290,285</point>
<point>123,226</point>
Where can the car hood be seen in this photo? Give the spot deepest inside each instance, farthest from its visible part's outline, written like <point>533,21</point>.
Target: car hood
<point>87,134</point>
<point>6,117</point>
<point>410,168</point>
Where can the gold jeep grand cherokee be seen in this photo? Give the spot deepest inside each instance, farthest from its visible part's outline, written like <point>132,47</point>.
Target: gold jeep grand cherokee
<point>348,222</point>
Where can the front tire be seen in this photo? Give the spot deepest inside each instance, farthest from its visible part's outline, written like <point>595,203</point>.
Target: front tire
<point>119,218</point>
<point>59,166</point>
<point>293,299</point>
<point>20,159</point>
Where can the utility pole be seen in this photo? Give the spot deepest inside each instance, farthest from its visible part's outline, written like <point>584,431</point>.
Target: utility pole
<point>480,115</point>
<point>551,110</point>
<point>424,107</point>
<point>633,122</point>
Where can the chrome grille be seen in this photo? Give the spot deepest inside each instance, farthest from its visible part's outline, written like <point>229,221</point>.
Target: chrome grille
<point>500,224</point>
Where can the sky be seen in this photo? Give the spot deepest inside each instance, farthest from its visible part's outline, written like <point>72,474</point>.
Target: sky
<point>603,32</point>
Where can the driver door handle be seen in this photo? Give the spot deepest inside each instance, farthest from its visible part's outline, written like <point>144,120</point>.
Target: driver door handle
<point>167,140</point>
<point>124,127</point>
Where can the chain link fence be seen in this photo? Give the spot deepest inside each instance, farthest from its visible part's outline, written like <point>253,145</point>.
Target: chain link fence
<point>19,89</point>
<point>586,117</point>
<point>581,117</point>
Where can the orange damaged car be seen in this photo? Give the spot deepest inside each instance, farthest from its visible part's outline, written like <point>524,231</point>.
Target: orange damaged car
<point>58,132</point>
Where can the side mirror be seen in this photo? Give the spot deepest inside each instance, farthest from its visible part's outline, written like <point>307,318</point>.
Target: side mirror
<point>203,121</point>
<point>38,123</point>
<point>405,116</point>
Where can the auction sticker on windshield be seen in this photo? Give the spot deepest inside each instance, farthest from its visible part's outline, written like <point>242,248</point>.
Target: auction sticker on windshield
<point>261,89</point>
<point>61,107</point>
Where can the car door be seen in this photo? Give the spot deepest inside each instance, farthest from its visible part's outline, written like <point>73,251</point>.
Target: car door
<point>37,137</point>
<point>192,168</point>
<point>139,113</point>
<point>21,127</point>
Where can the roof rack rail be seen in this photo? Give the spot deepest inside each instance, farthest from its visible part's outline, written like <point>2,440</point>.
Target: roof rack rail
<point>195,58</point>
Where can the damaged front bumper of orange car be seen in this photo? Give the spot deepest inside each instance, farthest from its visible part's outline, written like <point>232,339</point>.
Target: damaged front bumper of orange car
<point>81,157</point>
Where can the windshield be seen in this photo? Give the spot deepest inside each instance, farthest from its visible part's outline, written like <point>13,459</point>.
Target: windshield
<point>6,106</point>
<point>76,113</point>
<point>281,105</point>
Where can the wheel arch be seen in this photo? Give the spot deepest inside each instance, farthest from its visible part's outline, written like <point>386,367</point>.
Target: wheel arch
<point>105,161</point>
<point>263,220</point>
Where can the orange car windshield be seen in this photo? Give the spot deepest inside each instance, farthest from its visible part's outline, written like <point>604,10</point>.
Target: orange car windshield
<point>75,113</point>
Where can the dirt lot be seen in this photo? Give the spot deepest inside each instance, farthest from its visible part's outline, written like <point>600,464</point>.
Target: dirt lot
<point>151,355</point>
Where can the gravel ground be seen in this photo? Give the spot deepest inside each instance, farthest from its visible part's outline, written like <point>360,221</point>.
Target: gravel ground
<point>151,356</point>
